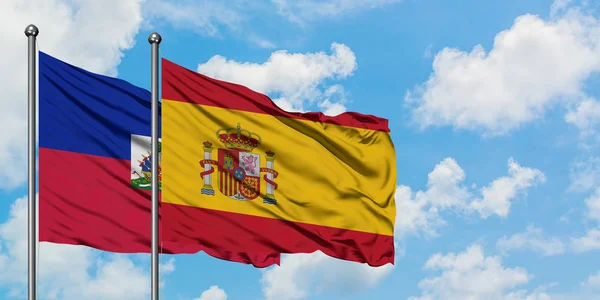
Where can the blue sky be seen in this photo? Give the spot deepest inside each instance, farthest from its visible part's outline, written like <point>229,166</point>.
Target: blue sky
<point>493,110</point>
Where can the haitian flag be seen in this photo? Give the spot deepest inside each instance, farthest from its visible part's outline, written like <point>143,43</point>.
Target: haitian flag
<point>95,167</point>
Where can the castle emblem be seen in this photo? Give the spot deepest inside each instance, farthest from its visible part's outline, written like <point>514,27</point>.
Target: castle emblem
<point>239,170</point>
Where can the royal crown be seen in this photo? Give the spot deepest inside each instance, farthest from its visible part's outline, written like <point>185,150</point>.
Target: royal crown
<point>238,138</point>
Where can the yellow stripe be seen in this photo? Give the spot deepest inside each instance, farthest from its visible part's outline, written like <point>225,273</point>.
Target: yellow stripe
<point>329,175</point>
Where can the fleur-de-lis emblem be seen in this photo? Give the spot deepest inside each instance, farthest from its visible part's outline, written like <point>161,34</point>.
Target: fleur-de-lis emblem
<point>238,174</point>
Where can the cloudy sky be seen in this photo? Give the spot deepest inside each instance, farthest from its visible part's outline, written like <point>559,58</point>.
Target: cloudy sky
<point>494,112</point>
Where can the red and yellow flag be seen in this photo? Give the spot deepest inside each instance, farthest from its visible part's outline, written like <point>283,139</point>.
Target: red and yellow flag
<point>240,174</point>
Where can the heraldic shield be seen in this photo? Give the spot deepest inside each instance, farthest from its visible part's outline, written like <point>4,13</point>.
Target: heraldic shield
<point>239,174</point>
<point>239,169</point>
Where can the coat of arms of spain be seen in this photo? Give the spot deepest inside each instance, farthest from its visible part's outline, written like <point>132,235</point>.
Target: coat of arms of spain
<point>239,170</point>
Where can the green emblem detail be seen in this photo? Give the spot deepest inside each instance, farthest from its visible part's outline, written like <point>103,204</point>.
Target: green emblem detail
<point>144,171</point>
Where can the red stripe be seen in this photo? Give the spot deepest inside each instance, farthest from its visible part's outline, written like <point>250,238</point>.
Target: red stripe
<point>230,184</point>
<point>181,84</point>
<point>236,185</point>
<point>234,188</point>
<point>257,234</point>
<point>87,200</point>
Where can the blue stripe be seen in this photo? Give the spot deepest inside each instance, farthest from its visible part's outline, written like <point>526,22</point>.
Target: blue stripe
<point>269,201</point>
<point>87,113</point>
<point>207,192</point>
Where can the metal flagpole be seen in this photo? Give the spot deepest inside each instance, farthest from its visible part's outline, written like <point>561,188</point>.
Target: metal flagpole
<point>31,32</point>
<point>154,39</point>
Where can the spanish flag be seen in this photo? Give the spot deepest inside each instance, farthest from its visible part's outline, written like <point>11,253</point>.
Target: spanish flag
<point>241,174</point>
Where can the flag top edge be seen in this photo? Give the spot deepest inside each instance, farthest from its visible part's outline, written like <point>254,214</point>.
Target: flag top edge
<point>183,85</point>
<point>45,57</point>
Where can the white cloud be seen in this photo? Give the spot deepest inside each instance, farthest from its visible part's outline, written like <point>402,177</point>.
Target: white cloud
<point>331,109</point>
<point>301,11</point>
<point>427,53</point>
<point>593,282</point>
<point>585,175</point>
<point>472,275</point>
<point>213,293</point>
<point>334,100</point>
<point>524,295</point>
<point>589,290</point>
<point>533,66</point>
<point>287,105</point>
<point>589,242</point>
<point>213,18</point>
<point>446,190</point>
<point>415,214</point>
<point>261,42</point>
<point>75,31</point>
<point>593,205</point>
<point>532,239</point>
<point>496,197</point>
<point>420,211</point>
<point>302,274</point>
<point>66,271</point>
<point>586,116</point>
<point>292,79</point>
<point>117,278</point>
<point>168,266</point>
<point>559,6</point>
<point>203,17</point>
<point>210,17</point>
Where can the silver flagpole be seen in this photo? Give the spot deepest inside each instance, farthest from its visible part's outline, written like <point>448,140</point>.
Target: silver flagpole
<point>31,32</point>
<point>154,39</point>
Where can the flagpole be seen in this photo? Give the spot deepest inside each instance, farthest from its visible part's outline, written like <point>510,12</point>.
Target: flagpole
<point>31,32</point>
<point>154,39</point>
